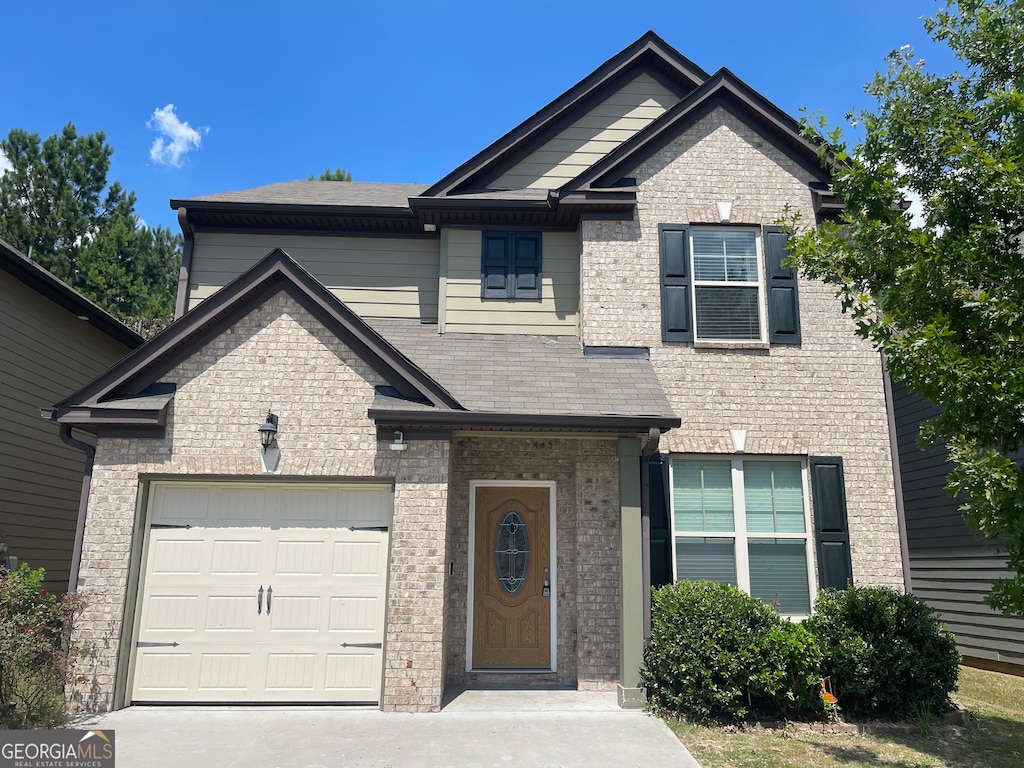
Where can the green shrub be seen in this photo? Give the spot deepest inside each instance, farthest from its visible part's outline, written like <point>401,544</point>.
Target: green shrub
<point>886,652</point>
<point>716,652</point>
<point>36,657</point>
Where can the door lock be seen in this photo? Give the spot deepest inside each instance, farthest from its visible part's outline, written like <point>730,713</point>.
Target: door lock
<point>546,592</point>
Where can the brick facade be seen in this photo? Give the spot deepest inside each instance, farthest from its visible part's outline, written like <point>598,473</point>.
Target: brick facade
<point>587,533</point>
<point>278,356</point>
<point>823,397</point>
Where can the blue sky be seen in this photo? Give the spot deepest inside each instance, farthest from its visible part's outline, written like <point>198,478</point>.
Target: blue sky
<point>391,91</point>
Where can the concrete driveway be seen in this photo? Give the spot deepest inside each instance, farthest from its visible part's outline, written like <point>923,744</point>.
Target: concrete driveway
<point>474,728</point>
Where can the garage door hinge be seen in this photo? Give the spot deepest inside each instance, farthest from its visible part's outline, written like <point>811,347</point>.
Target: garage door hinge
<point>368,528</point>
<point>362,645</point>
<point>168,525</point>
<point>144,644</point>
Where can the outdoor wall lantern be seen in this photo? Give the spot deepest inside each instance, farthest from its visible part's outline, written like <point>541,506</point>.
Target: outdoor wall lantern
<point>268,431</point>
<point>399,443</point>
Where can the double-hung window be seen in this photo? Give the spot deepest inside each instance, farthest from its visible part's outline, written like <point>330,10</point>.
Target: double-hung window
<point>744,522</point>
<point>510,265</point>
<point>727,284</point>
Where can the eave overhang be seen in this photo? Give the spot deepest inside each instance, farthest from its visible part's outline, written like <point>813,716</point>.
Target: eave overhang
<point>550,211</point>
<point>485,420</point>
<point>63,295</point>
<point>649,53</point>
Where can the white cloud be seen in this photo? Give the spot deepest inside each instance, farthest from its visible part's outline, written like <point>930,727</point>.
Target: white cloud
<point>5,164</point>
<point>916,209</point>
<point>178,137</point>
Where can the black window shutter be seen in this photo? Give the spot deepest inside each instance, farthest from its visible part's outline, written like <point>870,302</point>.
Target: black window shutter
<point>526,260</point>
<point>676,286</point>
<point>661,526</point>
<point>828,489</point>
<point>783,302</point>
<point>494,264</point>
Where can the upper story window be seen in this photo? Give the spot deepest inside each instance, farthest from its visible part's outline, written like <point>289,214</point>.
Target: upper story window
<point>727,284</point>
<point>510,265</point>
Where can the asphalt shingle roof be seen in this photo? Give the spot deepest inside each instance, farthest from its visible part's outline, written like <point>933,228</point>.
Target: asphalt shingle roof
<point>502,373</point>
<point>342,193</point>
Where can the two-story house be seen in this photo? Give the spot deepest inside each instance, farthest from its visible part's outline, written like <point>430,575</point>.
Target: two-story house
<point>402,437</point>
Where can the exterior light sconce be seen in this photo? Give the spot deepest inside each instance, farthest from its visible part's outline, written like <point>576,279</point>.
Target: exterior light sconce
<point>724,211</point>
<point>739,439</point>
<point>268,431</point>
<point>399,443</point>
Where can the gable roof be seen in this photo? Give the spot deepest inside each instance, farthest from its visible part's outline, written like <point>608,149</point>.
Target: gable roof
<point>725,90</point>
<point>649,53</point>
<point>463,197</point>
<point>114,397</point>
<point>60,293</point>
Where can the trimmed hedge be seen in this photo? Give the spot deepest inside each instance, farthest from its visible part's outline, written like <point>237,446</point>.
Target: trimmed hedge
<point>886,652</point>
<point>716,652</point>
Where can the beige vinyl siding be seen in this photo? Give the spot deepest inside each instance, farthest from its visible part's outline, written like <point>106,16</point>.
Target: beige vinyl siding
<point>555,314</point>
<point>593,136</point>
<point>47,354</point>
<point>374,276</point>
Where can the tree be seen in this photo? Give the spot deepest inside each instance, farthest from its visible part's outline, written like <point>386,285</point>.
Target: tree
<point>56,206</point>
<point>339,174</point>
<point>944,301</point>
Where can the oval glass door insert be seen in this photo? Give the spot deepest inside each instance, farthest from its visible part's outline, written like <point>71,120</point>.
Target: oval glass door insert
<point>511,552</point>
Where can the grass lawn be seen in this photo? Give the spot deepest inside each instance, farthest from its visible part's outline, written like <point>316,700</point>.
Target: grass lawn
<point>994,739</point>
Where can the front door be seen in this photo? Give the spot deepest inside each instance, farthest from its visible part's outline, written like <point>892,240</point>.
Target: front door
<point>512,578</point>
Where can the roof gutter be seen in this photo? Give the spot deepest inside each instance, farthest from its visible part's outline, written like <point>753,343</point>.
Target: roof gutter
<point>486,420</point>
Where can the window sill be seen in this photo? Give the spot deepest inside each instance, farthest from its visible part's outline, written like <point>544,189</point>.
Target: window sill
<point>701,344</point>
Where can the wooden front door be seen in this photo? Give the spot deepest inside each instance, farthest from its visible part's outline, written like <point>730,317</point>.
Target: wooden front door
<point>512,578</point>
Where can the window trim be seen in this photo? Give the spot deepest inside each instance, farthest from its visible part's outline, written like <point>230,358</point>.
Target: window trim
<point>511,291</point>
<point>762,304</point>
<point>739,533</point>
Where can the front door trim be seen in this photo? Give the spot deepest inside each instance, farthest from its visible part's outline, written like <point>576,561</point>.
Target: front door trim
<point>553,559</point>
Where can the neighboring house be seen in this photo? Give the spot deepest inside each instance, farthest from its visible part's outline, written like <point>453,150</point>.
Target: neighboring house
<point>52,341</point>
<point>501,407</point>
<point>951,568</point>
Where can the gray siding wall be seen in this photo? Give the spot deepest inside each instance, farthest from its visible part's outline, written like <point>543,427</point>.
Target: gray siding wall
<point>47,353</point>
<point>950,568</point>
<point>374,276</point>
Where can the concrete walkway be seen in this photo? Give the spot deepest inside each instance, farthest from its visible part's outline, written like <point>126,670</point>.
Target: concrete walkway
<point>474,729</point>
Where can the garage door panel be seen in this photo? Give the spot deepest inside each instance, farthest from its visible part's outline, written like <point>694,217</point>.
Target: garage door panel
<point>317,634</point>
<point>235,556</point>
<point>166,672</point>
<point>172,613</point>
<point>299,557</point>
<point>227,673</point>
<point>356,615</point>
<point>355,674</point>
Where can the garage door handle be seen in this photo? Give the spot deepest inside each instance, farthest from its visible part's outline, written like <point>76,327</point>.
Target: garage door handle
<point>270,594</point>
<point>259,601</point>
<point>362,645</point>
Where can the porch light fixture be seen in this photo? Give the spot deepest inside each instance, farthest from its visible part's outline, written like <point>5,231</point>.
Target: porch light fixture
<point>268,431</point>
<point>724,211</point>
<point>399,443</point>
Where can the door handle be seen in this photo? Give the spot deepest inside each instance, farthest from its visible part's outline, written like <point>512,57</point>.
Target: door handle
<point>270,594</point>
<point>259,601</point>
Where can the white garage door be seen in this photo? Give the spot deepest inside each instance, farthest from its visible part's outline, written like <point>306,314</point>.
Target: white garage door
<point>263,593</point>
